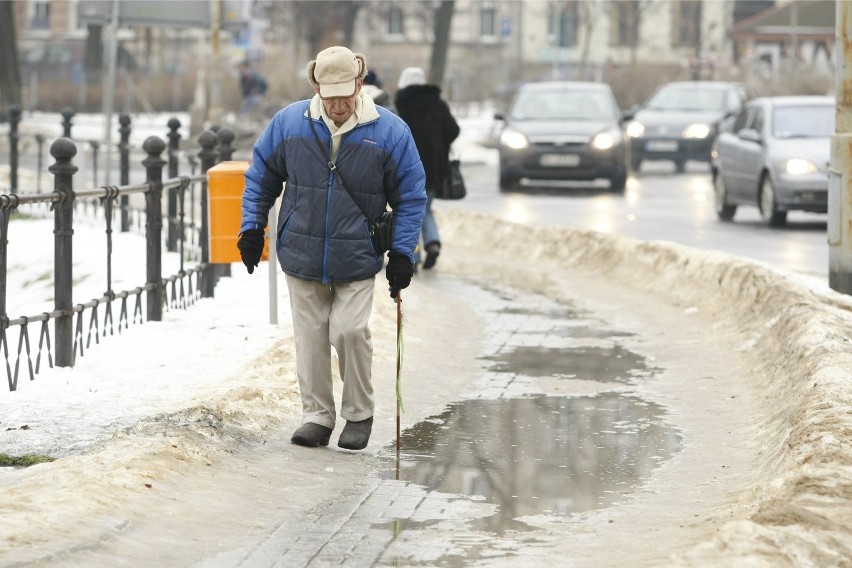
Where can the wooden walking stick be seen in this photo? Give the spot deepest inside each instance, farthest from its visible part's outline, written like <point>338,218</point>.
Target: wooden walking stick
<point>398,373</point>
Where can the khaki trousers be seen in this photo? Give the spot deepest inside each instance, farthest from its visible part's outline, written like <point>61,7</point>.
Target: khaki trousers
<point>326,316</point>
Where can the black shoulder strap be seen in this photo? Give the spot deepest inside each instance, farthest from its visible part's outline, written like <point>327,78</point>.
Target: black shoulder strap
<point>333,167</point>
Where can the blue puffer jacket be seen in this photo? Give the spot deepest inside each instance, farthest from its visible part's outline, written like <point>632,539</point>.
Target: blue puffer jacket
<point>322,234</point>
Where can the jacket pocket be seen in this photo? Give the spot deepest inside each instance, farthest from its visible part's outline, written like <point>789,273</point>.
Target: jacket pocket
<point>283,228</point>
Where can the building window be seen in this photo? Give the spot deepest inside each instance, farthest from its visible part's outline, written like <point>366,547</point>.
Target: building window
<point>625,22</point>
<point>687,23</point>
<point>487,22</point>
<point>562,24</point>
<point>395,21</point>
<point>40,18</point>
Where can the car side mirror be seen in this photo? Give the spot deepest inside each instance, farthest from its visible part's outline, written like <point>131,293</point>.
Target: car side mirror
<point>749,134</point>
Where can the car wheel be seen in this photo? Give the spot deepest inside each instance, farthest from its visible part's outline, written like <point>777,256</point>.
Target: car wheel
<point>724,210</point>
<point>618,181</point>
<point>768,205</point>
<point>507,182</point>
<point>680,166</point>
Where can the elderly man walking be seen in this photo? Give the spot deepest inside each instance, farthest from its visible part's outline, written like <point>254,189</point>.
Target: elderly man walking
<point>323,240</point>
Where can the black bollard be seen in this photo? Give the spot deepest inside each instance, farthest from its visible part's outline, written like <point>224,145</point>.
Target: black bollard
<point>174,149</point>
<point>208,156</point>
<point>154,163</point>
<point>67,113</point>
<point>63,150</point>
<point>39,160</point>
<point>96,146</point>
<point>14,121</point>
<point>124,156</point>
<point>226,138</point>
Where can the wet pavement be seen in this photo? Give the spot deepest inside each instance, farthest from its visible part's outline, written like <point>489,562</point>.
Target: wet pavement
<point>551,427</point>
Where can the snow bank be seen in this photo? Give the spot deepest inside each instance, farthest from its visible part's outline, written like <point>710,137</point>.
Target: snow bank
<point>803,339</point>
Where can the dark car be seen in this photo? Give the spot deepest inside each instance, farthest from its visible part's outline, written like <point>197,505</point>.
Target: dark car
<point>565,131</point>
<point>680,121</point>
<point>775,157</point>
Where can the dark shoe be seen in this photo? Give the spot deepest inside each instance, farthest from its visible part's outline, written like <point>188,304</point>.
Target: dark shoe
<point>311,435</point>
<point>432,252</point>
<point>355,435</point>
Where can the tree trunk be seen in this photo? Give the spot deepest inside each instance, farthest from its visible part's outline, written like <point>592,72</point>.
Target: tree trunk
<point>443,19</point>
<point>10,78</point>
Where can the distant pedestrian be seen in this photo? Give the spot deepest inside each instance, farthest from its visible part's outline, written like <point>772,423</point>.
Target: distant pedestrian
<point>252,86</point>
<point>434,130</point>
<point>322,238</point>
<point>373,87</point>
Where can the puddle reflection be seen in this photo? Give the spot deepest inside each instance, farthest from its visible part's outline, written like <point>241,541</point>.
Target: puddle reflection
<point>602,364</point>
<point>538,455</point>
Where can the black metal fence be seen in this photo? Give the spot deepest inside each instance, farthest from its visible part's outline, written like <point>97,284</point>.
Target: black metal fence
<point>96,318</point>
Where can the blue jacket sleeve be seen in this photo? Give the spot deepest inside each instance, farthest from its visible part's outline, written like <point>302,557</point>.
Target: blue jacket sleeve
<point>409,202</point>
<point>264,177</point>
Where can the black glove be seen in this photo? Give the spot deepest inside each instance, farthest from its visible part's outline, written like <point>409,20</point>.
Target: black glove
<point>399,272</point>
<point>251,247</point>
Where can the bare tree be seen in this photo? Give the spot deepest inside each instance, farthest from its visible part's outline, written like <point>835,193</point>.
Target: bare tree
<point>588,14</point>
<point>10,77</point>
<point>443,20</point>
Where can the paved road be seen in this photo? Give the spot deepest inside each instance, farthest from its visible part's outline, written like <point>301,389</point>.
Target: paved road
<point>657,205</point>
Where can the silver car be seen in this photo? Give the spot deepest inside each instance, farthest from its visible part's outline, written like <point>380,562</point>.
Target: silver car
<point>775,157</point>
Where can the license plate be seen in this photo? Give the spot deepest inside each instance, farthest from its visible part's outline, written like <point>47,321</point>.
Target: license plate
<point>560,160</point>
<point>661,145</point>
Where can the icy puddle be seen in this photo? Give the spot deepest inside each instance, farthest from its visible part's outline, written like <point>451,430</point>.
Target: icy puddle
<point>538,455</point>
<point>530,451</point>
<point>601,364</point>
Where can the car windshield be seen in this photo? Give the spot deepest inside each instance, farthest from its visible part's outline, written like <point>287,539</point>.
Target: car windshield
<point>815,121</point>
<point>563,105</point>
<point>688,98</point>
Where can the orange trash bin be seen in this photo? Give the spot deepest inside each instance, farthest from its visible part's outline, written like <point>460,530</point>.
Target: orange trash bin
<point>225,183</point>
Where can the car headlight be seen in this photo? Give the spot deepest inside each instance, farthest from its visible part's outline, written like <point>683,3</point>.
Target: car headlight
<point>800,166</point>
<point>604,140</point>
<point>635,129</point>
<point>513,139</point>
<point>698,130</point>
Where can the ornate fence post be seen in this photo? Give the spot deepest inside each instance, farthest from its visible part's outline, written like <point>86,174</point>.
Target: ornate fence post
<point>63,150</point>
<point>226,148</point>
<point>154,163</point>
<point>14,120</point>
<point>124,179</point>
<point>208,156</point>
<point>226,151</point>
<point>174,148</point>
<point>67,113</point>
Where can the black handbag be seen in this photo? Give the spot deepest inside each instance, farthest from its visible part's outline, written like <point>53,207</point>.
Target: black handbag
<point>381,231</point>
<point>381,228</point>
<point>453,186</point>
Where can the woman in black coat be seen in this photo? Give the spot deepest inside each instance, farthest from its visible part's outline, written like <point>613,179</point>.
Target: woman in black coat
<point>434,129</point>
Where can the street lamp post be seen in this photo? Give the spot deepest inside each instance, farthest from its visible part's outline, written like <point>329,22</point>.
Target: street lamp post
<point>840,185</point>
